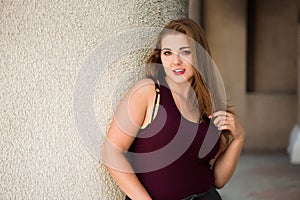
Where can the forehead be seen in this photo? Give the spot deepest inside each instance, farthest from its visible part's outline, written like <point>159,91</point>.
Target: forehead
<point>174,41</point>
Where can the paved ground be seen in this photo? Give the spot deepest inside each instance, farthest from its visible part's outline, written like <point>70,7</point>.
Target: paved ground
<point>267,176</point>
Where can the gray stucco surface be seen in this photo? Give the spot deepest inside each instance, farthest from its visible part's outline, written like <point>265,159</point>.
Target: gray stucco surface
<point>43,46</point>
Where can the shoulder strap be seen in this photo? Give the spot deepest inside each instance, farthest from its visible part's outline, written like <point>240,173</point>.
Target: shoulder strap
<point>157,90</point>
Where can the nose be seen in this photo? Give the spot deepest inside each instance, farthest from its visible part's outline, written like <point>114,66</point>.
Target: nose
<point>177,59</point>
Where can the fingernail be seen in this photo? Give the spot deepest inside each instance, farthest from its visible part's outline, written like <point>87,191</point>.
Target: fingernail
<point>209,116</point>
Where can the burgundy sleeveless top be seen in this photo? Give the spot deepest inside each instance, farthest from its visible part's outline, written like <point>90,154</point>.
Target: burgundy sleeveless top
<point>165,157</point>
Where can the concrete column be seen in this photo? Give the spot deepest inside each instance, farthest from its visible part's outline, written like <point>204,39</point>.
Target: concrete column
<point>298,7</point>
<point>195,8</point>
<point>298,63</point>
<point>44,45</point>
<point>298,60</point>
<point>273,102</point>
<point>225,26</point>
<point>275,34</point>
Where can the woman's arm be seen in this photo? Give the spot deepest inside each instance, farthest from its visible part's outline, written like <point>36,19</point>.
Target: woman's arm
<point>227,161</point>
<point>118,166</point>
<point>131,114</point>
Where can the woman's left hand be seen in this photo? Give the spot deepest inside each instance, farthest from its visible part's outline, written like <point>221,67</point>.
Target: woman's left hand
<point>227,121</point>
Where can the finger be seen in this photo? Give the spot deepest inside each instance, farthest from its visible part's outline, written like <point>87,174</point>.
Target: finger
<point>221,120</point>
<point>221,113</point>
<point>227,123</point>
<point>226,127</point>
<point>218,113</point>
<point>229,120</point>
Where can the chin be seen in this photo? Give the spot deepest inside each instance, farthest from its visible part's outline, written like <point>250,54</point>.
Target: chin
<point>180,80</point>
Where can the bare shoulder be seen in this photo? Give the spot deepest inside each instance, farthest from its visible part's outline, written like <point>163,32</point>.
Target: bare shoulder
<point>144,89</point>
<point>132,110</point>
<point>145,85</point>
<point>139,96</point>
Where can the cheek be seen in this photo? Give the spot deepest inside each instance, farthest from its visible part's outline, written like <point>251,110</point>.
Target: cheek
<point>165,62</point>
<point>188,60</point>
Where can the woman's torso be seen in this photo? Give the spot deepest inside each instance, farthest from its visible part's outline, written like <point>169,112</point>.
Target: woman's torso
<point>165,157</point>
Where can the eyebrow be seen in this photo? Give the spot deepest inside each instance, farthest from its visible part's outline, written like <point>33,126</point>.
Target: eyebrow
<point>179,48</point>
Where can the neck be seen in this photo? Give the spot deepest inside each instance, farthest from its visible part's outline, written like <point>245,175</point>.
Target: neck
<point>182,89</point>
<point>185,99</point>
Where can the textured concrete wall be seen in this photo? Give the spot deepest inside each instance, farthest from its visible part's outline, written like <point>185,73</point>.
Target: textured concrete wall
<point>42,48</point>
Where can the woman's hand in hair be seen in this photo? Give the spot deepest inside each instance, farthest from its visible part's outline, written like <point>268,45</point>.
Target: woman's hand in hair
<point>227,121</point>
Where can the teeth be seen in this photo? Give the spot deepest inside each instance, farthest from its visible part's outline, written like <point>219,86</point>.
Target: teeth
<point>178,70</point>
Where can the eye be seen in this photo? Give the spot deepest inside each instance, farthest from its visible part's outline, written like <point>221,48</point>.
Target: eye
<point>167,53</point>
<point>186,52</point>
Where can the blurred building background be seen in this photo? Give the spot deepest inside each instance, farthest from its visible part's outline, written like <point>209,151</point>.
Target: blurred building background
<point>256,46</point>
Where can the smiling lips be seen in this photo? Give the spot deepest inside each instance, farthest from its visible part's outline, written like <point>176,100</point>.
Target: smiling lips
<point>178,71</point>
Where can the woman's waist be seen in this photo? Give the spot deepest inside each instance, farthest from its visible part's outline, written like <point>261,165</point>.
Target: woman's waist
<point>177,183</point>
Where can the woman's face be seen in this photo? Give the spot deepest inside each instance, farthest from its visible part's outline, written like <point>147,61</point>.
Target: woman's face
<point>176,57</point>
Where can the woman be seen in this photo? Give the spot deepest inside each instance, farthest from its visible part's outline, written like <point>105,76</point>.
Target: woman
<point>164,119</point>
